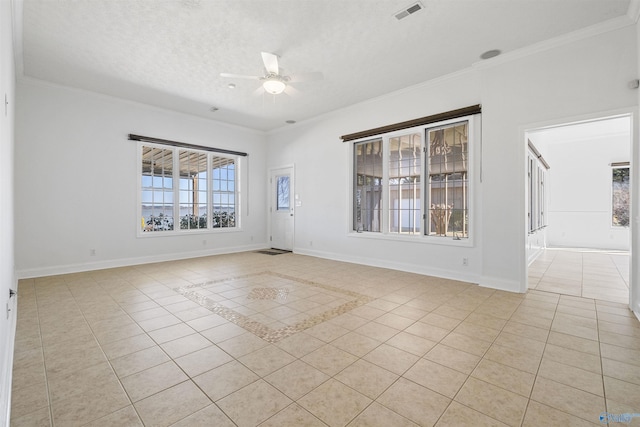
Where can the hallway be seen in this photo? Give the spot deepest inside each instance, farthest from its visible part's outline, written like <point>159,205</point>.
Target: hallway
<point>588,273</point>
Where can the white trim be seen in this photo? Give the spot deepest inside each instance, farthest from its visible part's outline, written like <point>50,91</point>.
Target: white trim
<point>6,373</point>
<point>127,262</point>
<point>634,221</point>
<point>500,284</point>
<point>422,239</point>
<point>545,45</point>
<point>385,263</point>
<point>634,270</point>
<point>574,120</point>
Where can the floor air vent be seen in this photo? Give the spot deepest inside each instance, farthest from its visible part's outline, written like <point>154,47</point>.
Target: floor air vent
<point>408,11</point>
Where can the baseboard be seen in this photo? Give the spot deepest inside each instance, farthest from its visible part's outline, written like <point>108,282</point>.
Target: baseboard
<point>534,256</point>
<point>409,268</point>
<point>127,262</point>
<point>501,284</point>
<point>6,374</point>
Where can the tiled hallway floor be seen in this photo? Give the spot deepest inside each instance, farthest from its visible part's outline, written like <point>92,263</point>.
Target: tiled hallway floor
<point>588,273</point>
<point>288,340</point>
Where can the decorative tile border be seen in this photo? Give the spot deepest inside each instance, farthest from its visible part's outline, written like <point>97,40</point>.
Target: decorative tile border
<point>268,293</point>
<point>263,331</point>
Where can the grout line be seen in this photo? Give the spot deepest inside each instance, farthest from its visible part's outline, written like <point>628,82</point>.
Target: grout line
<point>163,277</point>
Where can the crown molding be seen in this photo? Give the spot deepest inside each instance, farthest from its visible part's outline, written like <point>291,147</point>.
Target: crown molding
<point>574,36</point>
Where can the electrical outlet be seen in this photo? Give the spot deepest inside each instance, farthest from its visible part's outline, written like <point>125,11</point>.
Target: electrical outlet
<point>92,252</point>
<point>465,261</point>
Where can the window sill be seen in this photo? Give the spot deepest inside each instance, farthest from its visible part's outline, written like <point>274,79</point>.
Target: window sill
<point>419,239</point>
<point>178,233</point>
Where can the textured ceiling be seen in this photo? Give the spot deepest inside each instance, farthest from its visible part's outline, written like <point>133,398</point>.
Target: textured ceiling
<point>171,53</point>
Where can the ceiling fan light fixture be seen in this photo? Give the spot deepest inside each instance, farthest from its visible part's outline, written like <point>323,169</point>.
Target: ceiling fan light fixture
<point>274,86</point>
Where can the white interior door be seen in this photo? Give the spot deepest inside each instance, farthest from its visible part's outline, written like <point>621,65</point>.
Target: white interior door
<point>282,208</point>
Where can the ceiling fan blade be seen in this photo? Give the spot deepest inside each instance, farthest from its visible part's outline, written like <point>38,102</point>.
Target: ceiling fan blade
<point>239,76</point>
<point>306,77</point>
<point>291,91</point>
<point>270,63</point>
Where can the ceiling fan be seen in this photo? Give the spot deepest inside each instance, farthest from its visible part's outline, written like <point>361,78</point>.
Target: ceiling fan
<point>273,81</point>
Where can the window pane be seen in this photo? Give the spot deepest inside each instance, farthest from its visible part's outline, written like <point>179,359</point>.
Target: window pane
<point>404,184</point>
<point>368,186</point>
<point>193,172</point>
<point>157,202</point>
<point>620,208</point>
<point>282,196</point>
<point>448,181</point>
<point>223,192</point>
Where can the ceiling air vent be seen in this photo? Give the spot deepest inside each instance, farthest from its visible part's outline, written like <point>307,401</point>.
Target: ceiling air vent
<point>408,11</point>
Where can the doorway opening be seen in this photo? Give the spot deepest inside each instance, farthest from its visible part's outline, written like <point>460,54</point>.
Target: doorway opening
<point>578,203</point>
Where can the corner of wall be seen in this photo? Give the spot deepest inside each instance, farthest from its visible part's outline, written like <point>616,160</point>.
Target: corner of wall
<point>501,284</point>
<point>7,264</point>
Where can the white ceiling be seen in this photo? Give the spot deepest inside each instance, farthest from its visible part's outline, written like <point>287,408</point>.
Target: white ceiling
<point>170,53</point>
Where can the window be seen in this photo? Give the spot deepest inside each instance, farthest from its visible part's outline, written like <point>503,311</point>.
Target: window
<point>204,185</point>
<point>620,197</point>
<point>389,196</point>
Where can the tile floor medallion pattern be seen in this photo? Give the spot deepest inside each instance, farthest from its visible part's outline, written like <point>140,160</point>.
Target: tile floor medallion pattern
<point>291,295</point>
<point>293,341</point>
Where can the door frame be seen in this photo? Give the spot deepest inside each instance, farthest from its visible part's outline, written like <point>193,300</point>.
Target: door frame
<point>634,245</point>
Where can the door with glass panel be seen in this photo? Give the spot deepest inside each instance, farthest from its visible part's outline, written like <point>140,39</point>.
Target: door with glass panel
<point>282,208</point>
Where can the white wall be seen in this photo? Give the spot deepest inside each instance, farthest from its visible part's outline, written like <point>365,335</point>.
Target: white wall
<point>323,182</point>
<point>76,181</point>
<point>571,79</point>
<point>580,193</point>
<point>7,268</point>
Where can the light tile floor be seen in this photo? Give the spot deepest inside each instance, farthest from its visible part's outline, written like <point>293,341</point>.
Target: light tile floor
<point>288,340</point>
<point>588,273</point>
